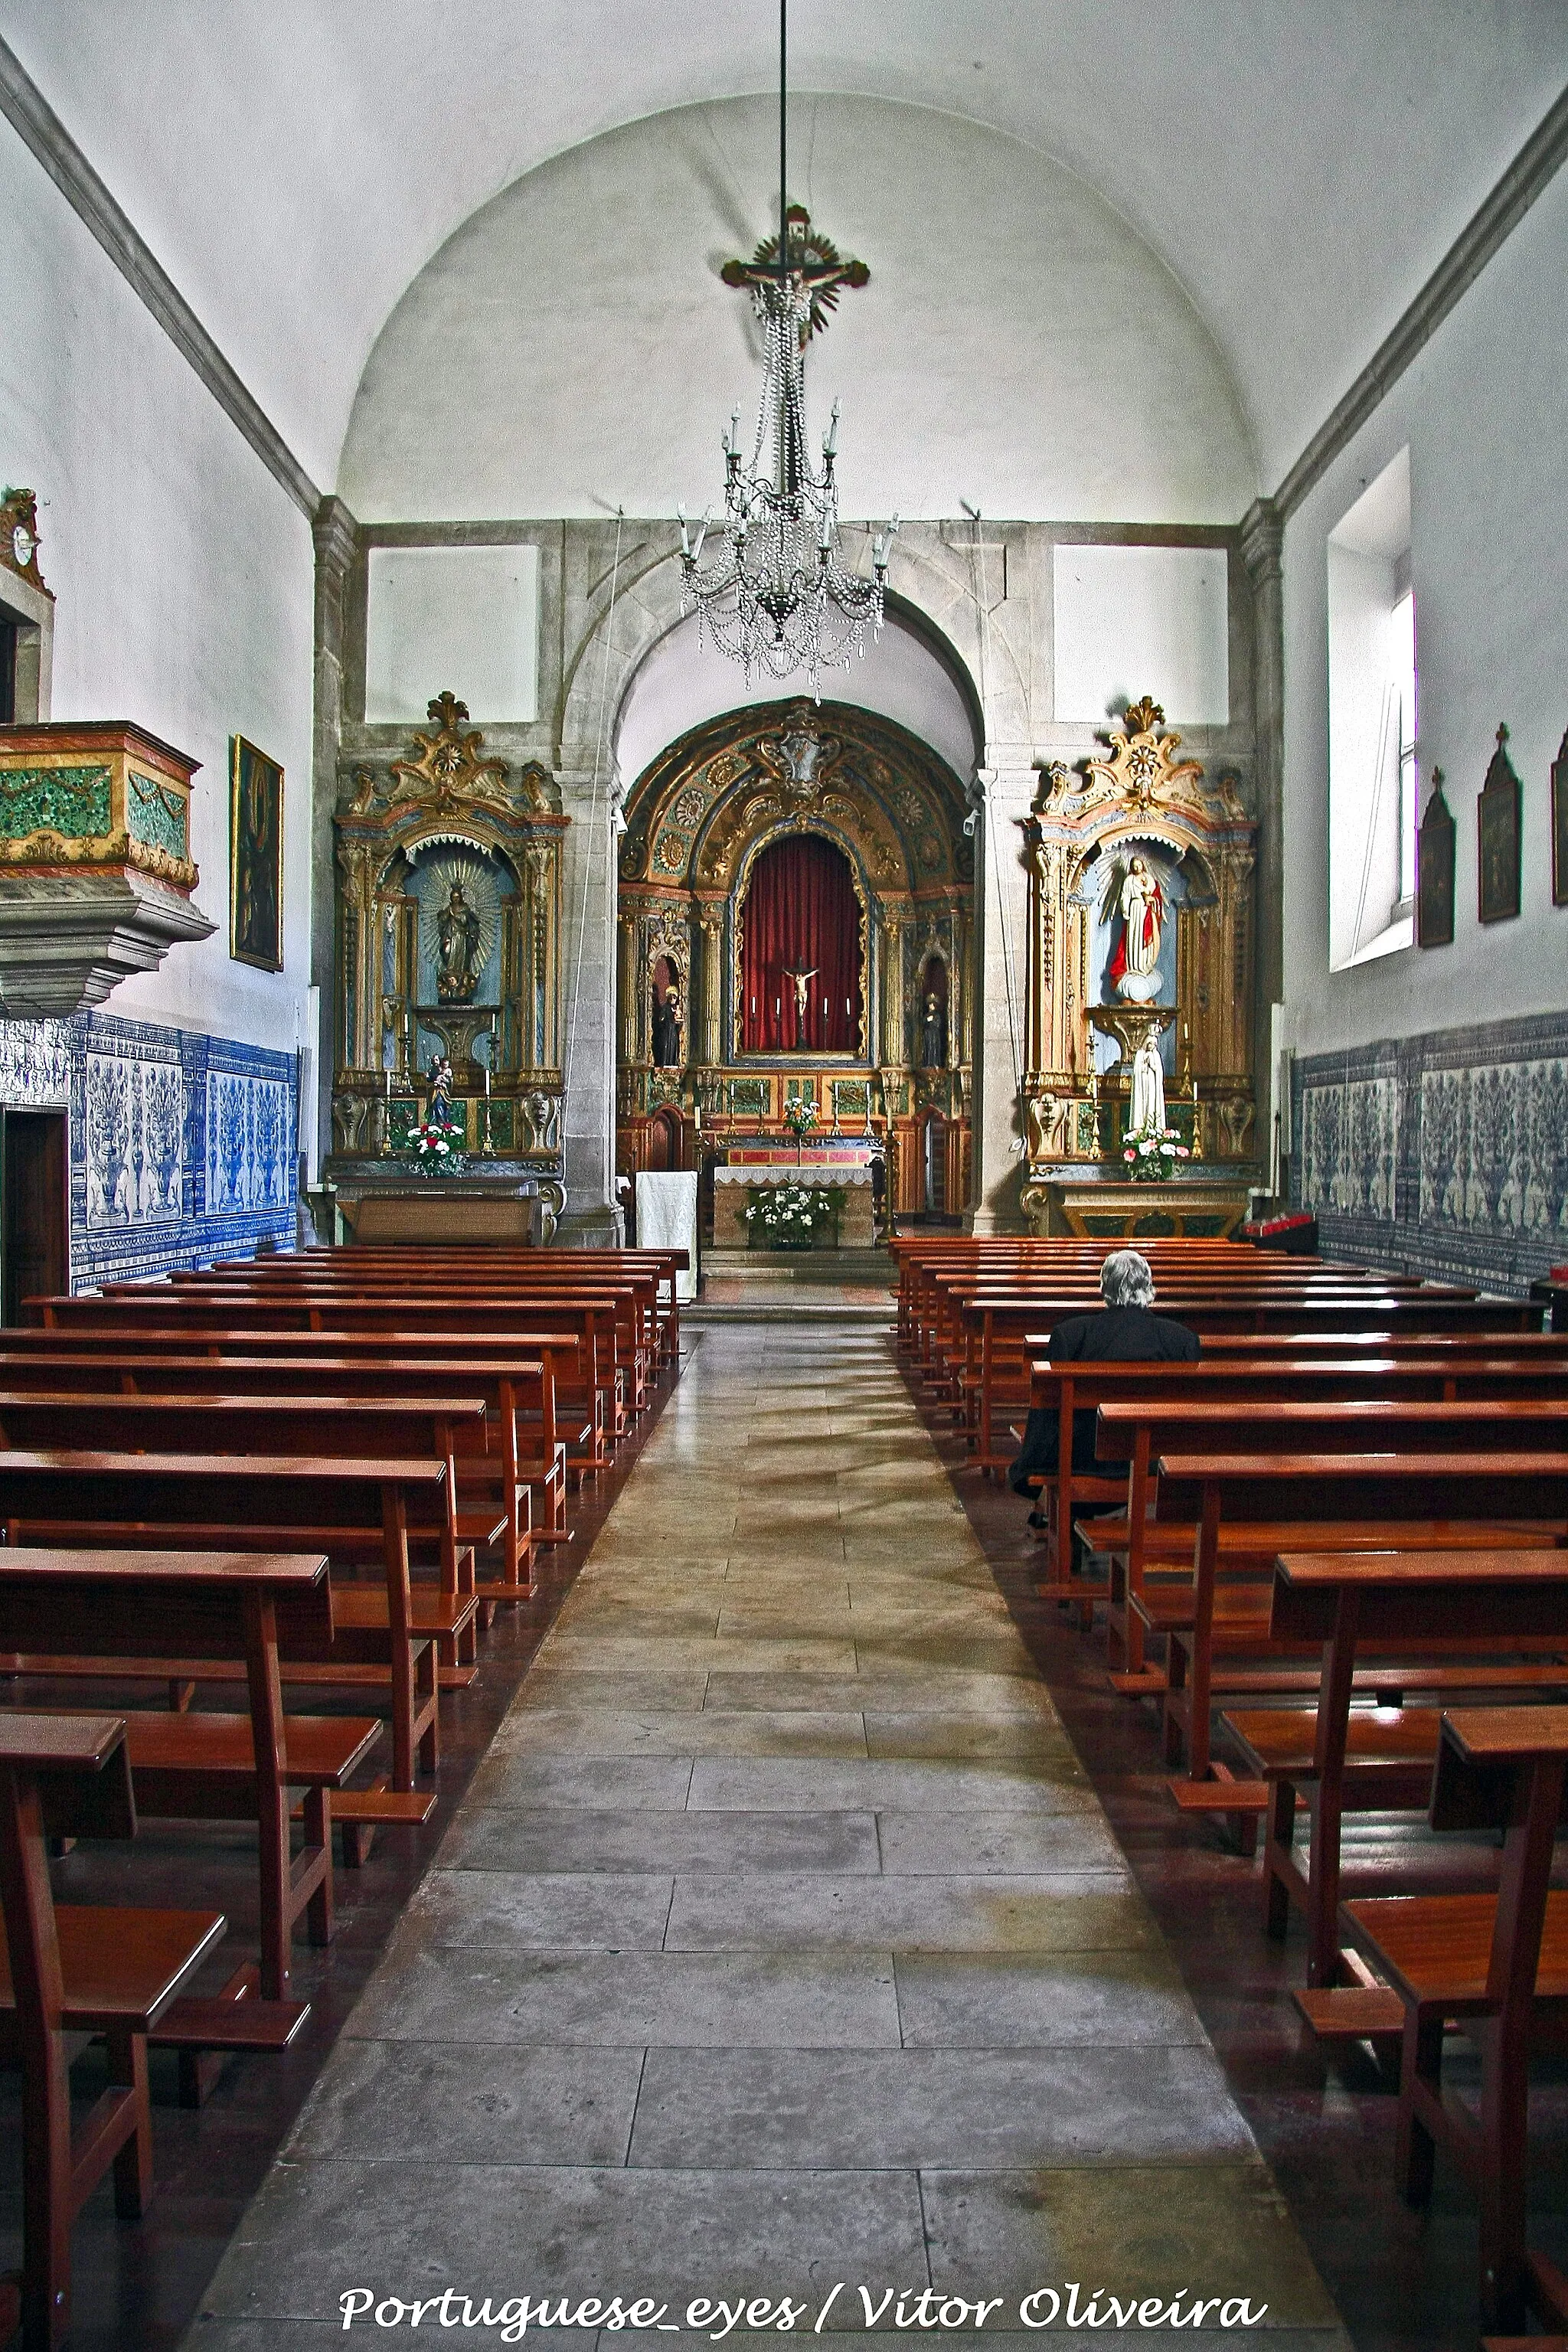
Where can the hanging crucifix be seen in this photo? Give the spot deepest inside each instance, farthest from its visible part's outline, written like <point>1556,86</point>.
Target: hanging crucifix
<point>810,256</point>
<point>800,977</point>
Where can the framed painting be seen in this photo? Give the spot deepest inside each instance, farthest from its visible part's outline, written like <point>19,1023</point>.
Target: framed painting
<point>1498,842</point>
<point>255,857</point>
<point>1560,824</point>
<point>1435,871</point>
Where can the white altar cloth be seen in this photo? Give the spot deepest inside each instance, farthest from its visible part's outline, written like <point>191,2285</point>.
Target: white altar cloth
<point>667,1219</point>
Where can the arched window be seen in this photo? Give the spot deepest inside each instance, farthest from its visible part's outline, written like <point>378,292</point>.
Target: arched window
<point>800,963</point>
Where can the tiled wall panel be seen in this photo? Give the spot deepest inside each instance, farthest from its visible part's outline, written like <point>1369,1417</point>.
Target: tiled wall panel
<point>1445,1153</point>
<point>183,1147</point>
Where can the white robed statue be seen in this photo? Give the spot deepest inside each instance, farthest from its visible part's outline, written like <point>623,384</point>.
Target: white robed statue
<point>1147,1106</point>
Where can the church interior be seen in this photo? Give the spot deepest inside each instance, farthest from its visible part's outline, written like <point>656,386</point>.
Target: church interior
<point>783,1173</point>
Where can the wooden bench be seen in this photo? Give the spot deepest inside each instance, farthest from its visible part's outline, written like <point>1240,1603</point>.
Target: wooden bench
<point>1313,1410</point>
<point>96,1613</point>
<point>353,1510</point>
<point>1244,1509</point>
<point>1220,1384</point>
<point>1496,1966</point>
<point>1460,1608</point>
<point>110,1973</point>
<point>524,1437</point>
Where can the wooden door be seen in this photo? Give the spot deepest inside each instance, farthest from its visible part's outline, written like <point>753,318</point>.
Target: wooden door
<point>35,1259</point>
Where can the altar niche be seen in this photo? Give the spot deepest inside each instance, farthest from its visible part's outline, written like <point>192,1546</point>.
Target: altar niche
<point>797,876</point>
<point>1140,982</point>
<point>448,962</point>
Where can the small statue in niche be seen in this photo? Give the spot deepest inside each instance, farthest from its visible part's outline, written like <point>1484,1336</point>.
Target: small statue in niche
<point>668,1027</point>
<point>458,934</point>
<point>441,1078</point>
<point>1147,1109</point>
<point>1137,896</point>
<point>933,1034</point>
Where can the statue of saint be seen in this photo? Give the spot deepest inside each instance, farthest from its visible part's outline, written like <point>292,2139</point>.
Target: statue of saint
<point>933,1034</point>
<point>440,1076</point>
<point>800,980</point>
<point>667,1026</point>
<point>1147,1109</point>
<point>1140,903</point>
<point>458,935</point>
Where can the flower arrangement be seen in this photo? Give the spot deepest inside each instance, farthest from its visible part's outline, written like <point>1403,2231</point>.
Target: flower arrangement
<point>790,1216</point>
<point>1151,1152</point>
<point>800,1117</point>
<point>435,1147</point>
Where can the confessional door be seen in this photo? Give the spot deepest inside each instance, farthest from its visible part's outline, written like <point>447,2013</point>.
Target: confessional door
<point>35,1247</point>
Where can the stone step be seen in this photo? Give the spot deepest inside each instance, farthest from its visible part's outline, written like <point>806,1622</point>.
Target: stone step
<point>858,1268</point>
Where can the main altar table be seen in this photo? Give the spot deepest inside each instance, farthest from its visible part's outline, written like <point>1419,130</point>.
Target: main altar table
<point>734,1186</point>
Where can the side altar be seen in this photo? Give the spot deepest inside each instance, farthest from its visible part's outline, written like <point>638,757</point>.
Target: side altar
<point>843,1167</point>
<point>1138,1094</point>
<point>448,980</point>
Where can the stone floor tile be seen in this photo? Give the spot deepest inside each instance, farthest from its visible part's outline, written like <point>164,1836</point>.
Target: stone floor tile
<point>594,1782</point>
<point>646,1653</point>
<point>903,1731</point>
<point>788,2000</point>
<point>603,1731</point>
<point>472,1908</point>
<point>789,1912</point>
<point>1014,2001</point>
<point>547,1685</point>
<point>503,2229</point>
<point>1003,2109</point>
<point>940,1845</point>
<point>469,2103</point>
<point>642,1841</point>
<point>1217,2229</point>
<point>796,1784</point>
<point>892,1687</point>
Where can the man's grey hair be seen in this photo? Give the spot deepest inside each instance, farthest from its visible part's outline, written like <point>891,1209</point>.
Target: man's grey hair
<point>1127,1279</point>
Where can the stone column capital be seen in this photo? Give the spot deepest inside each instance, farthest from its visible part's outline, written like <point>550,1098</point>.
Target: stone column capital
<point>336,536</point>
<point>1263,542</point>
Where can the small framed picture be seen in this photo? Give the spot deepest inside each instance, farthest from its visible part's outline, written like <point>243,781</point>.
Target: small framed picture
<point>1560,824</point>
<point>1435,871</point>
<point>255,857</point>
<point>1497,838</point>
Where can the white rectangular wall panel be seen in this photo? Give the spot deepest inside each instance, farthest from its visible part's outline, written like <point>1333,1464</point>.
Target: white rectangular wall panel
<point>1132,621</point>
<point>463,620</point>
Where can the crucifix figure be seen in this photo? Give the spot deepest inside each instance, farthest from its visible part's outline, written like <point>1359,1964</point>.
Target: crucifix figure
<point>810,256</point>
<point>800,979</point>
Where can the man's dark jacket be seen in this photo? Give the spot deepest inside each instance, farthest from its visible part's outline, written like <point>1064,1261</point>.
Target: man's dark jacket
<point>1120,1335</point>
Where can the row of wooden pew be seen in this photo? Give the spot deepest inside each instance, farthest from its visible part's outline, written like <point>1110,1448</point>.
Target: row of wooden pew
<point>1305,1548</point>
<point>299,1481</point>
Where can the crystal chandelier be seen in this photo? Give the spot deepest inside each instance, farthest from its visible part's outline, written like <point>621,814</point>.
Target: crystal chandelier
<point>778,599</point>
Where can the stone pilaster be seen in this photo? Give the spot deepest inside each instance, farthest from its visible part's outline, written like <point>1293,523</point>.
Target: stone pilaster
<point>1262,552</point>
<point>336,536</point>
<point>1002,797</point>
<point>588,936</point>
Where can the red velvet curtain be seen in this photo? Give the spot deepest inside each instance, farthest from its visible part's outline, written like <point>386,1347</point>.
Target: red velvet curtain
<point>801,911</point>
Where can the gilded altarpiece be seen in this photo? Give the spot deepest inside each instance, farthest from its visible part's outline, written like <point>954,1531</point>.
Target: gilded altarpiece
<point>1140,935</point>
<point>697,822</point>
<point>448,947</point>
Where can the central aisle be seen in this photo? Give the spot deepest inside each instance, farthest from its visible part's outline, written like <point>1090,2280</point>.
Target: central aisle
<point>781,1941</point>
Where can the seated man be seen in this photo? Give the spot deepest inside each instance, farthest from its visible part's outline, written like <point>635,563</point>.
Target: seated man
<point>1124,1332</point>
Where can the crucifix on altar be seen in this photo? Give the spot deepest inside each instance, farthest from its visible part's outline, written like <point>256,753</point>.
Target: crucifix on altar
<point>799,976</point>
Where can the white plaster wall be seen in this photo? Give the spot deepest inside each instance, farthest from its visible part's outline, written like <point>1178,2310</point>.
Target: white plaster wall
<point>681,683</point>
<point>182,572</point>
<point>1485,412</point>
<point>571,348</point>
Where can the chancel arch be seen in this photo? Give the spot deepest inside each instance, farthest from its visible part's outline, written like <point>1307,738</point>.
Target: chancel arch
<point>801,865</point>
